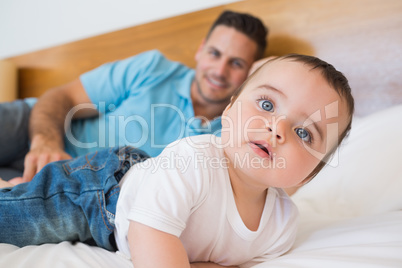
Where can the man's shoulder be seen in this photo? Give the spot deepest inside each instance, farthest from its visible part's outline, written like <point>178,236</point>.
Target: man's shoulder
<point>154,55</point>
<point>150,55</point>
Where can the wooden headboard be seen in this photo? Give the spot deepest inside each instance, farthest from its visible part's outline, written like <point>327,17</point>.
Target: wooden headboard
<point>361,38</point>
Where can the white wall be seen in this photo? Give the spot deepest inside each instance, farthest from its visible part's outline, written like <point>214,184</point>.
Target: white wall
<point>30,25</point>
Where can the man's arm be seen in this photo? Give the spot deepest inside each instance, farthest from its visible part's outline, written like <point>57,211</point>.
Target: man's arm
<point>46,125</point>
<point>153,248</point>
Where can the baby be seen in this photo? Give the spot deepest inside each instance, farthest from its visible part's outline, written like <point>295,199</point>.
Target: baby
<point>205,201</point>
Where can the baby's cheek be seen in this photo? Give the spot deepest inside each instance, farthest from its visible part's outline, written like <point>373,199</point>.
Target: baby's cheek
<point>306,164</point>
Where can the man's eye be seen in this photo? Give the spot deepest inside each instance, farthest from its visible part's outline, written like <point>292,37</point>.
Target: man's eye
<point>266,105</point>
<point>214,53</point>
<point>303,134</point>
<point>237,64</point>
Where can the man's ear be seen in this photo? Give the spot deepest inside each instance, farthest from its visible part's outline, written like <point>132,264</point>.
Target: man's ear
<point>199,50</point>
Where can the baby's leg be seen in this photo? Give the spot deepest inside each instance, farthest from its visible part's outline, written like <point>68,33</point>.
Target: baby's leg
<point>69,200</point>
<point>5,184</point>
<point>59,204</point>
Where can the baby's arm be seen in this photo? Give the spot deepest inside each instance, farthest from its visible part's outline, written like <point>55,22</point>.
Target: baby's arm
<point>209,265</point>
<point>153,248</point>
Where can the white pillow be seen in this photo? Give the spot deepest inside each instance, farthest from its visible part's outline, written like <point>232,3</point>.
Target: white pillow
<point>368,176</point>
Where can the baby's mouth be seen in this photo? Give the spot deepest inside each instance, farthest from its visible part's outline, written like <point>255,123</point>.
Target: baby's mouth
<point>263,148</point>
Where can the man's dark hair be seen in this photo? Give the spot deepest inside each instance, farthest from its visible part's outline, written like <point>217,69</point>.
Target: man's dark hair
<point>246,24</point>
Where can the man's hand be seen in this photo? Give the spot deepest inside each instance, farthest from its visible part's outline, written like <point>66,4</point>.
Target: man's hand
<point>5,184</point>
<point>47,124</point>
<point>42,152</point>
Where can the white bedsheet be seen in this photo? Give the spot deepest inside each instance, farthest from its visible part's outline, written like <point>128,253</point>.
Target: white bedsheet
<point>351,214</point>
<point>369,241</point>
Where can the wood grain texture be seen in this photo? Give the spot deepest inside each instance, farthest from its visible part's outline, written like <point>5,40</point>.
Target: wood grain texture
<point>361,38</point>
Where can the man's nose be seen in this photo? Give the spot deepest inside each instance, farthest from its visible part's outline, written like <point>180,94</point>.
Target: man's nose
<point>221,68</point>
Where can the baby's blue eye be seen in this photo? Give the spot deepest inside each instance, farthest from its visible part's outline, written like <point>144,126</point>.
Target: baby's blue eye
<point>266,105</point>
<point>303,134</point>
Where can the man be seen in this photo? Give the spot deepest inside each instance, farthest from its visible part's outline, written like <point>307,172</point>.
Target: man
<point>146,101</point>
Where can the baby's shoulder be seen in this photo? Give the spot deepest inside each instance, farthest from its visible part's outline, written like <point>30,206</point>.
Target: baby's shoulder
<point>206,143</point>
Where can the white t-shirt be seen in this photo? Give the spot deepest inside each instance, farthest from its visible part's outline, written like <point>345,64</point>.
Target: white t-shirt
<point>186,191</point>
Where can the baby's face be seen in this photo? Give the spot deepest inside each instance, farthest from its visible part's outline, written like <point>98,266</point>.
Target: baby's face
<point>282,124</point>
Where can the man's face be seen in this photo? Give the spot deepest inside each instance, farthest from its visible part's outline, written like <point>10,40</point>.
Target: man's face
<point>223,62</point>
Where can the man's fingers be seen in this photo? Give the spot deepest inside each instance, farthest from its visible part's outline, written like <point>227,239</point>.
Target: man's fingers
<point>34,162</point>
<point>16,180</point>
<point>43,160</point>
<point>59,156</point>
<point>29,168</point>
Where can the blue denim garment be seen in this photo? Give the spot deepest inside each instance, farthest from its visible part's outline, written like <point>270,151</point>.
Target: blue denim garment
<point>69,200</point>
<point>14,137</point>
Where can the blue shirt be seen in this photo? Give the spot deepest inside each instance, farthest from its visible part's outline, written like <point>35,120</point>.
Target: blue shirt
<point>143,101</point>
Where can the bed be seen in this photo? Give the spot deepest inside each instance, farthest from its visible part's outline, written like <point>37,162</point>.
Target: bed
<point>351,213</point>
